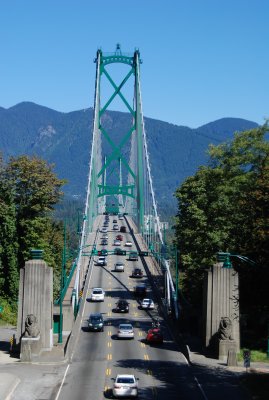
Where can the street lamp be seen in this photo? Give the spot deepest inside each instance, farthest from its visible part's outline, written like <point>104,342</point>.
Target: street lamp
<point>60,337</point>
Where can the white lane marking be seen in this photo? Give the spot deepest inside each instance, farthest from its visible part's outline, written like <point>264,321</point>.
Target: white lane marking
<point>200,387</point>
<point>60,388</point>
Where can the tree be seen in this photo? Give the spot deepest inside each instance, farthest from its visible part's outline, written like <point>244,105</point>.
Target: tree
<point>36,190</point>
<point>9,276</point>
<point>224,206</point>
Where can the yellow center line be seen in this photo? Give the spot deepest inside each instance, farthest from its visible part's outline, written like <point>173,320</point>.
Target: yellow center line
<point>140,333</point>
<point>149,372</point>
<point>142,344</point>
<point>108,371</point>
<point>146,357</point>
<point>109,314</point>
<point>109,344</point>
<point>109,333</point>
<point>109,357</point>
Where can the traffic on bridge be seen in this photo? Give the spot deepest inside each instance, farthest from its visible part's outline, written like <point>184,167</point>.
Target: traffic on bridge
<point>103,349</point>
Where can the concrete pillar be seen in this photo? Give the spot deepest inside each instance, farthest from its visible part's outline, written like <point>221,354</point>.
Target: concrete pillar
<point>36,297</point>
<point>221,299</point>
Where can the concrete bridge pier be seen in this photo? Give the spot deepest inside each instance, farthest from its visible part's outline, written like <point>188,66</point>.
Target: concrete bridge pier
<point>35,298</point>
<point>221,311</point>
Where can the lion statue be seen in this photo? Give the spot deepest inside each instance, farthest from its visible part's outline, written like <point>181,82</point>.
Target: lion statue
<point>225,329</point>
<point>31,327</point>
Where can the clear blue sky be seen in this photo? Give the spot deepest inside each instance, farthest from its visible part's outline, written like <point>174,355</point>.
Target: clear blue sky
<point>202,59</point>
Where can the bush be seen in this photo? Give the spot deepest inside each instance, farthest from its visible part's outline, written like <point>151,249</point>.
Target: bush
<point>9,311</point>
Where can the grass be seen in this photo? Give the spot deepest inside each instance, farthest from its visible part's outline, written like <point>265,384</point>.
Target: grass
<point>256,356</point>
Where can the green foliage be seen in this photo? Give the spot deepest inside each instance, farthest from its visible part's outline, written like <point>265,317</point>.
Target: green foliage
<point>9,313</point>
<point>224,207</point>
<point>255,355</point>
<point>29,190</point>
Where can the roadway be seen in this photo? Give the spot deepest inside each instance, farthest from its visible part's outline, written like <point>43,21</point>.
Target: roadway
<point>98,356</point>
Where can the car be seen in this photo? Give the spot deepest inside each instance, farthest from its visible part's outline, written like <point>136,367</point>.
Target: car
<point>119,237</point>
<point>122,306</point>
<point>125,385</point>
<point>104,229</point>
<point>103,252</point>
<point>105,236</point>
<point>117,243</point>
<point>133,256</point>
<point>154,336</point>
<point>115,221</point>
<point>105,224</point>
<point>120,217</point>
<point>128,243</point>
<point>119,251</point>
<point>119,267</point>
<point>147,304</point>
<point>96,322</point>
<point>97,294</point>
<point>101,261</point>
<point>140,290</point>
<point>115,227</point>
<point>104,242</point>
<point>125,331</point>
<point>137,273</point>
<point>123,229</point>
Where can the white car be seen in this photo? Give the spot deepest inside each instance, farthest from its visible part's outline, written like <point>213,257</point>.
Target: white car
<point>147,304</point>
<point>125,385</point>
<point>101,260</point>
<point>128,243</point>
<point>119,267</point>
<point>105,236</point>
<point>104,230</point>
<point>117,242</point>
<point>125,331</point>
<point>115,227</point>
<point>97,294</point>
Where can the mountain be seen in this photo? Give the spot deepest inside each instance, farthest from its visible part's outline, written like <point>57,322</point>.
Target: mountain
<point>64,139</point>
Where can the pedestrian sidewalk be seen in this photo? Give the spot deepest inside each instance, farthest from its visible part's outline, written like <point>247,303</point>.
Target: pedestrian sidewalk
<point>8,381</point>
<point>197,357</point>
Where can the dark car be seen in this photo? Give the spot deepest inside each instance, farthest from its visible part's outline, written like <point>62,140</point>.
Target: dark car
<point>123,229</point>
<point>96,322</point>
<point>115,221</point>
<point>137,273</point>
<point>122,306</point>
<point>119,252</point>
<point>104,242</point>
<point>140,290</point>
<point>133,256</point>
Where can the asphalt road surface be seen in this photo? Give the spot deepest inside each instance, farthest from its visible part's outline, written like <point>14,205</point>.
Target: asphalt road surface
<point>99,356</point>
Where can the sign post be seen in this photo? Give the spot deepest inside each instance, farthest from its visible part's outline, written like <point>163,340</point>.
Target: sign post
<point>246,356</point>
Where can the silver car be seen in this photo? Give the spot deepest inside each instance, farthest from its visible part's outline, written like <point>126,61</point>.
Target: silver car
<point>125,385</point>
<point>125,331</point>
<point>97,294</point>
<point>119,267</point>
<point>147,304</point>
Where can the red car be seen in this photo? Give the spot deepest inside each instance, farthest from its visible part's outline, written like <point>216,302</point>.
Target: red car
<point>119,237</point>
<point>154,336</point>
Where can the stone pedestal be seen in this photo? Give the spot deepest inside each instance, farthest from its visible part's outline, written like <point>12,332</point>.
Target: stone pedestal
<point>36,297</point>
<point>221,299</point>
<point>226,347</point>
<point>30,348</point>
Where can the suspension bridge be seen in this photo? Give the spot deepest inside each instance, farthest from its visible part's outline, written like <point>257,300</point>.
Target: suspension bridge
<point>120,181</point>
